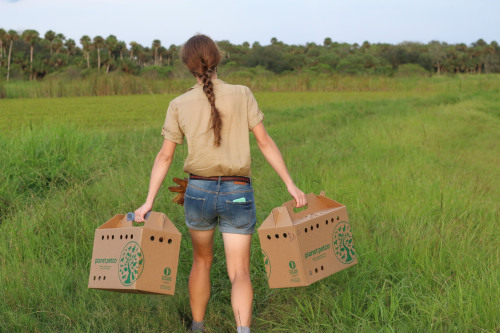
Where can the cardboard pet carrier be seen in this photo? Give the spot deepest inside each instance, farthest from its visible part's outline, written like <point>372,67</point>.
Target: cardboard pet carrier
<point>307,246</point>
<point>136,259</point>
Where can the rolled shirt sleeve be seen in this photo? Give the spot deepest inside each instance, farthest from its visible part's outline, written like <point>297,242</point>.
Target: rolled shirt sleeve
<point>255,116</point>
<point>171,130</point>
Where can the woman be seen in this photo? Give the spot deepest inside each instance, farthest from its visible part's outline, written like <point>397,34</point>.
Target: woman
<point>215,118</point>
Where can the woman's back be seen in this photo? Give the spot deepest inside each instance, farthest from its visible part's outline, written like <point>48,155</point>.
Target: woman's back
<point>189,115</point>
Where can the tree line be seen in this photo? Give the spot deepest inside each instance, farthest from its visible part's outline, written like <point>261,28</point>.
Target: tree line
<point>29,55</point>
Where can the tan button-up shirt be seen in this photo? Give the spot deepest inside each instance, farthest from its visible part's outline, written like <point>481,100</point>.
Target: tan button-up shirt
<point>189,116</point>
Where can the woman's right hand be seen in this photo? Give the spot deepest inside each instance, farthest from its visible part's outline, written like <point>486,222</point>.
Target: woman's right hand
<point>298,195</point>
<point>141,212</point>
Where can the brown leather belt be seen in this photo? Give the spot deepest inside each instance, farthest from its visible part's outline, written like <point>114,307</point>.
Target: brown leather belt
<point>223,178</point>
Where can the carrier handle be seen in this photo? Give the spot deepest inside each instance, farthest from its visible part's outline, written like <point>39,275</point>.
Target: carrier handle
<point>131,216</point>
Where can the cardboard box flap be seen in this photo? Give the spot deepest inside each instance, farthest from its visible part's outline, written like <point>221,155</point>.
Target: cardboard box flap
<point>315,204</point>
<point>115,222</point>
<point>155,221</point>
<point>281,217</point>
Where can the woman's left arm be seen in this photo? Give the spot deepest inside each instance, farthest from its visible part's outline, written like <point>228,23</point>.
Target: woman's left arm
<point>158,173</point>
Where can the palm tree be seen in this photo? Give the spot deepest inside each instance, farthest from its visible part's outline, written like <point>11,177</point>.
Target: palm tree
<point>86,44</point>
<point>30,37</point>
<point>50,36</point>
<point>121,47</point>
<point>11,37</point>
<point>134,46</point>
<point>156,45</point>
<point>58,44</point>
<point>70,45</point>
<point>111,44</point>
<point>98,44</point>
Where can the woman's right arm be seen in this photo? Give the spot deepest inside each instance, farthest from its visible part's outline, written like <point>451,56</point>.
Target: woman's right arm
<point>160,168</point>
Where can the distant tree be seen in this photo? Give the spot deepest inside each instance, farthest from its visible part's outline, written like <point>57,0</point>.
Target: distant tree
<point>121,47</point>
<point>256,45</point>
<point>489,61</point>
<point>366,46</point>
<point>30,37</point>
<point>437,52</point>
<point>11,37</point>
<point>70,46</point>
<point>134,48</point>
<point>3,41</point>
<point>111,44</point>
<point>173,50</point>
<point>57,43</point>
<point>156,45</point>
<point>327,42</point>
<point>98,44</point>
<point>162,52</point>
<point>86,45</point>
<point>50,36</point>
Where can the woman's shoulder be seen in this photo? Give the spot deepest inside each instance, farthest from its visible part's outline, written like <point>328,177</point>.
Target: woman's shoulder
<point>236,88</point>
<point>190,94</point>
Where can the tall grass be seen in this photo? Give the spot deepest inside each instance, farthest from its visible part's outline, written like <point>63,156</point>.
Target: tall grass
<point>417,170</point>
<point>123,84</point>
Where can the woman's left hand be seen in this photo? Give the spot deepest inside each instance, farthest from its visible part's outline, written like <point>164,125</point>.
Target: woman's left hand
<point>141,212</point>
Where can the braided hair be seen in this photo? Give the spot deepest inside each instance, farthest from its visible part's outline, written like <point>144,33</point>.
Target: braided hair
<point>201,56</point>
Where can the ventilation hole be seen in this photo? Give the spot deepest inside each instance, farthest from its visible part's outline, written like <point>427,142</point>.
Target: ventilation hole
<point>326,222</point>
<point>332,219</point>
<point>152,238</point>
<point>94,277</point>
<point>126,236</point>
<point>131,236</point>
<point>322,268</point>
<point>169,241</point>
<point>107,237</point>
<point>317,225</point>
<point>269,237</point>
<point>99,278</point>
<point>316,270</point>
<point>104,278</point>
<point>121,236</point>
<point>161,239</point>
<point>305,229</point>
<point>277,236</point>
<point>103,237</point>
<point>284,234</point>
<point>312,228</point>
<point>113,237</point>
<point>338,218</point>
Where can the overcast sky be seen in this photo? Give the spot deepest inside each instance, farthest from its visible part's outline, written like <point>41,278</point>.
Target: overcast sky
<point>290,21</point>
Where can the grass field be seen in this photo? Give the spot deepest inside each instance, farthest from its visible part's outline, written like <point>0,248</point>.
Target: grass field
<point>417,166</point>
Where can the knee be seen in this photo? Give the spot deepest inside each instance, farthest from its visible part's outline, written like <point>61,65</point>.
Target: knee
<point>239,275</point>
<point>203,262</point>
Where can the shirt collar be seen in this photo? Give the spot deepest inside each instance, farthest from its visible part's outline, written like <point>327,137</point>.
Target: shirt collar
<point>200,85</point>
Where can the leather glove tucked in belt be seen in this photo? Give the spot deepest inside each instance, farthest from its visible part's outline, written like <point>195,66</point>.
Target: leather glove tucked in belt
<point>181,189</point>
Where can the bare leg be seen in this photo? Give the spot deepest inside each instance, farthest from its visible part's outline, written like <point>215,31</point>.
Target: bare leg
<point>199,279</point>
<point>237,248</point>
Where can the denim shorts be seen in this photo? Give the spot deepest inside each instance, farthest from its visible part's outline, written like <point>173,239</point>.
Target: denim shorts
<point>227,203</point>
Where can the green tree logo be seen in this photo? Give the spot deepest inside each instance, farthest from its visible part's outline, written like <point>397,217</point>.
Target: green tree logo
<point>267,263</point>
<point>292,264</point>
<point>342,243</point>
<point>131,263</point>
